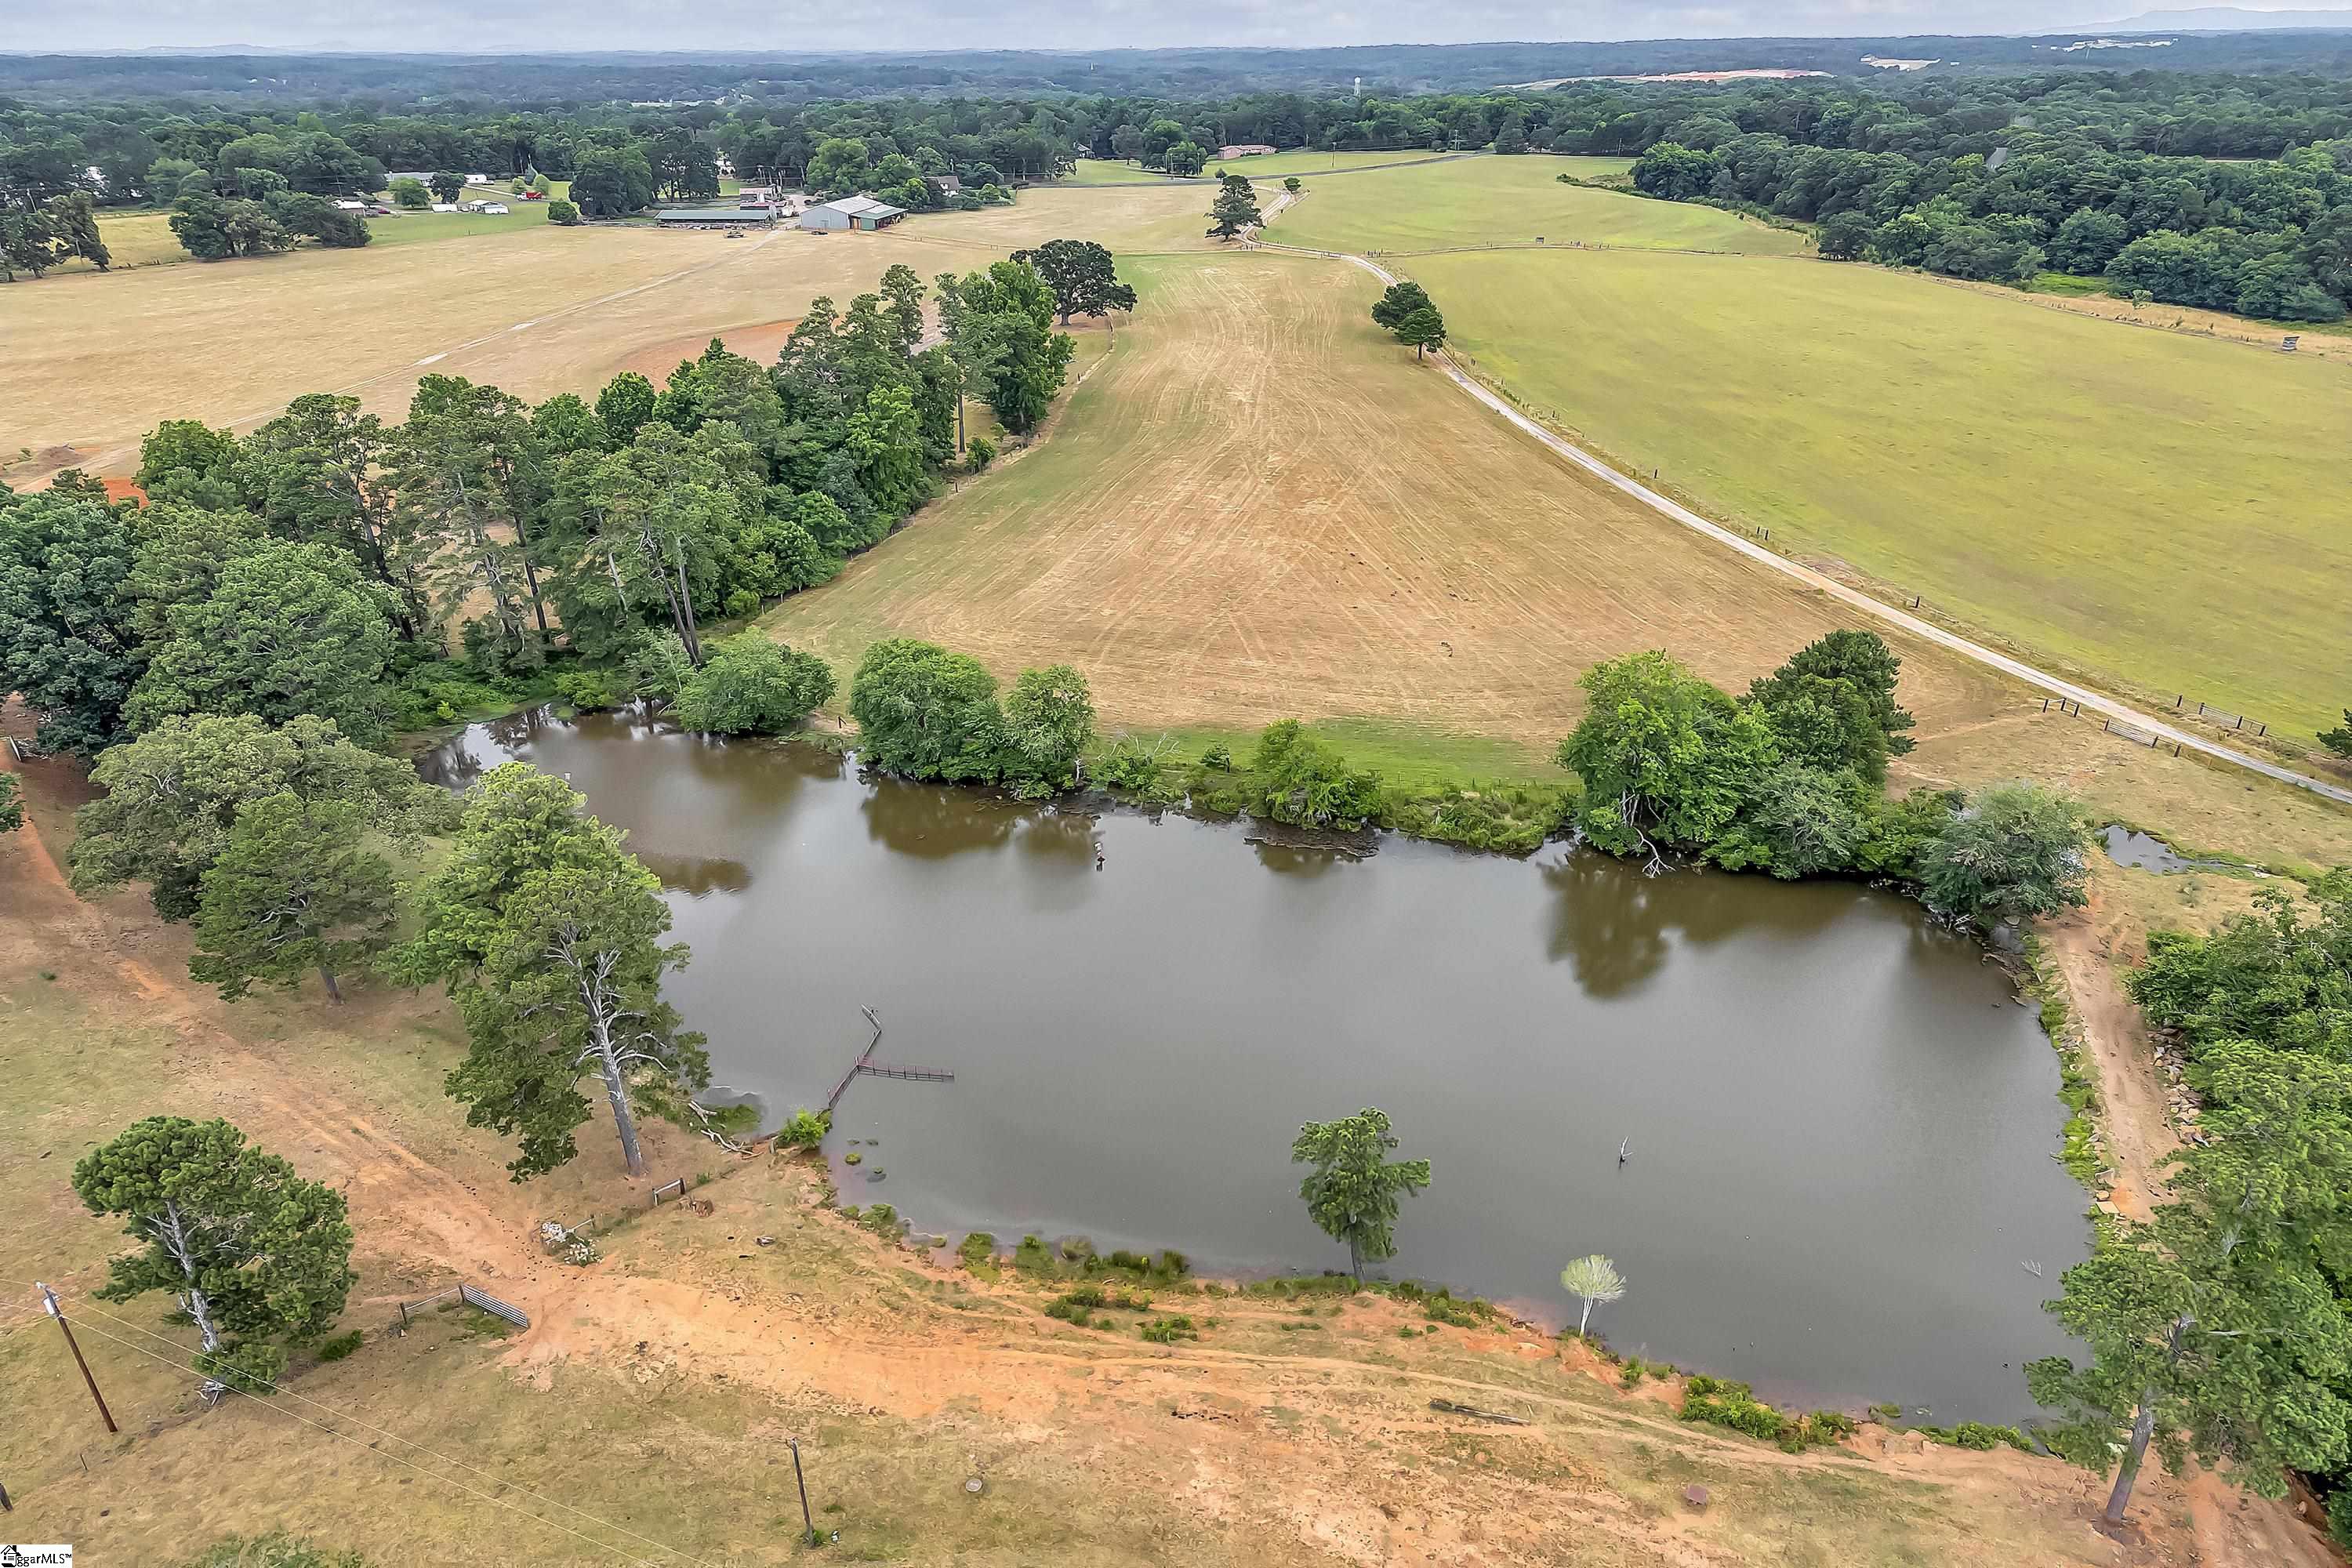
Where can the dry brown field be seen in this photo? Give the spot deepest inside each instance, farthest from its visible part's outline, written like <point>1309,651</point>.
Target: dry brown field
<point>92,362</point>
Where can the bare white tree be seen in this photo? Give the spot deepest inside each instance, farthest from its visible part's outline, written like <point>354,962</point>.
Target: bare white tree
<point>1595,1280</point>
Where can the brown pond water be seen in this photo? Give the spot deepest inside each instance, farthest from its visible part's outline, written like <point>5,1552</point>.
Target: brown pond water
<point>1839,1122</point>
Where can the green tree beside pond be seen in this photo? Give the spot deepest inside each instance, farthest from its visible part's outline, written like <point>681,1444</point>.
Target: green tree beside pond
<point>2015,851</point>
<point>172,797</point>
<point>1355,1191</point>
<point>548,935</point>
<point>2217,1328</point>
<point>1787,780</point>
<point>754,686</point>
<point>253,1256</point>
<point>292,893</point>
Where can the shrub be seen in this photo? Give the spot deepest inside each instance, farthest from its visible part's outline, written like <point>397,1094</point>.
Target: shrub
<point>926,712</point>
<point>1443,1307</point>
<point>1032,1257</point>
<point>754,686</point>
<point>341,1345</point>
<point>562,212</point>
<point>2015,850</point>
<point>978,1251</point>
<point>590,690</point>
<point>1168,1330</point>
<point>1514,819</point>
<point>2339,1516</point>
<point>1733,1405</point>
<point>978,453</point>
<point>1133,764</point>
<point>1305,782</point>
<point>1220,757</point>
<point>806,1130</point>
<point>1978,1435</point>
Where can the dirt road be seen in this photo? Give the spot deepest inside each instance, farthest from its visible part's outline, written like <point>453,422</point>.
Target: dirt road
<point>2039,678</point>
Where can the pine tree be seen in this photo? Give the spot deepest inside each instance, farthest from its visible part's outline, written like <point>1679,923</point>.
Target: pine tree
<point>1235,208</point>
<point>255,1256</point>
<point>292,893</point>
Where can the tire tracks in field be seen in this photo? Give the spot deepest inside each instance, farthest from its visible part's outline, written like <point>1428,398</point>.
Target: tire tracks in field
<point>1854,598</point>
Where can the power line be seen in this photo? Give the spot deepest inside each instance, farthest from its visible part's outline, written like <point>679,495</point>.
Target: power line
<point>177,1365</point>
<point>461,1485</point>
<point>384,1432</point>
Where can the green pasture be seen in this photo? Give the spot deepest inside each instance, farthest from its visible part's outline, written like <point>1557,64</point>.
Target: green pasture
<point>2165,511</point>
<point>144,238</point>
<point>1508,201</point>
<point>410,227</point>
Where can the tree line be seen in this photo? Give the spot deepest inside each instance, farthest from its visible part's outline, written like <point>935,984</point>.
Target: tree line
<point>329,562</point>
<point>2270,238</point>
<point>144,150</point>
<point>2222,1327</point>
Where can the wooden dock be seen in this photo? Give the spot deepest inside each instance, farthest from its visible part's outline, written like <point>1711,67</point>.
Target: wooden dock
<point>866,1065</point>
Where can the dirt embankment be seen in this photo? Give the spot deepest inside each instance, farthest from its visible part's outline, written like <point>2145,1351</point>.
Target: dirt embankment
<point>2091,947</point>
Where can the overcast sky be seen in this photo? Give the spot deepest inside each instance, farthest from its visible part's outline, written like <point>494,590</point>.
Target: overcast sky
<point>458,25</point>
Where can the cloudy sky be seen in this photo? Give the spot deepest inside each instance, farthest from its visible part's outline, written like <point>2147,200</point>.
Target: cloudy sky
<point>420,25</point>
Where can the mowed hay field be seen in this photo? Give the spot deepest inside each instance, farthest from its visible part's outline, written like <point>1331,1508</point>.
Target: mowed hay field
<point>93,361</point>
<point>1258,506</point>
<point>2159,512</point>
<point>1493,201</point>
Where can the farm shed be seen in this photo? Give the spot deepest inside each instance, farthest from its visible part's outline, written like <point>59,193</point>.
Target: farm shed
<point>1244,150</point>
<point>851,212</point>
<point>709,218</point>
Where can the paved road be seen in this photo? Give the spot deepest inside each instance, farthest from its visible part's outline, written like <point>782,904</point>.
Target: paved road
<point>2105,706</point>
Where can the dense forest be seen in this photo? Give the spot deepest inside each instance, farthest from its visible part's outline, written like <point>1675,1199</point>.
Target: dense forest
<point>111,149</point>
<point>548,80</point>
<point>2218,191</point>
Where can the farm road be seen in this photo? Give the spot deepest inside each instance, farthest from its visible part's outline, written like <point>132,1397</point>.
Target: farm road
<point>2105,706</point>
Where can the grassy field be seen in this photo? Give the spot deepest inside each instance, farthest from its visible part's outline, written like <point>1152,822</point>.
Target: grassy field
<point>2151,509</point>
<point>1513,201</point>
<point>1259,505</point>
<point>538,310</point>
<point>2158,512</point>
<point>145,238</point>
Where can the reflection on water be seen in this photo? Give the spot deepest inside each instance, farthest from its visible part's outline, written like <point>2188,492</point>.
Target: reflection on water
<point>696,874</point>
<point>1839,1122</point>
<point>1615,926</point>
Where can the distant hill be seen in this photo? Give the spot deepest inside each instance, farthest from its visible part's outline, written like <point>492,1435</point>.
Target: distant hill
<point>2226,19</point>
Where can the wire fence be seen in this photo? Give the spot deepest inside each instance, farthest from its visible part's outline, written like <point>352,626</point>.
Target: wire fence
<point>482,1301</point>
<point>2222,717</point>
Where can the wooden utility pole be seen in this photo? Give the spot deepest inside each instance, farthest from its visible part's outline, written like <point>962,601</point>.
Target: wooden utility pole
<point>806,1522</point>
<point>49,1304</point>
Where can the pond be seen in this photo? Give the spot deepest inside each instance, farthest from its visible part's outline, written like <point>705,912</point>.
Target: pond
<point>1839,1123</point>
